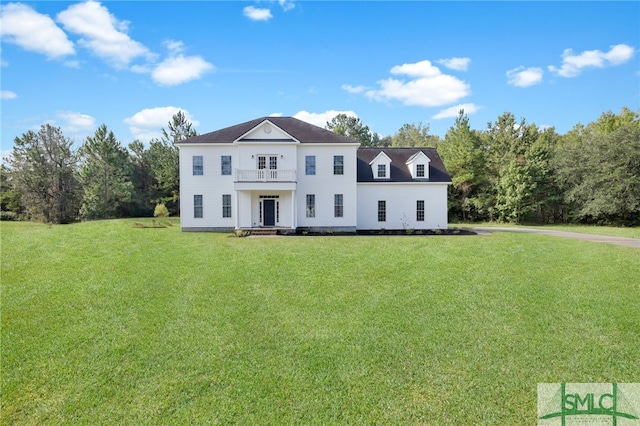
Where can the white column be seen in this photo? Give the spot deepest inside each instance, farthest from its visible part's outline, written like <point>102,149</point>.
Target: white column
<point>237,212</point>
<point>294,209</point>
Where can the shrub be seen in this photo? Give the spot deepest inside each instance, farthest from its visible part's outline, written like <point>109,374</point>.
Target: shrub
<point>161,211</point>
<point>4,215</point>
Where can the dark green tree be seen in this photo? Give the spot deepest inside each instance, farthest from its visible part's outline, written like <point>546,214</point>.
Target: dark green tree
<point>599,170</point>
<point>412,135</point>
<point>105,175</point>
<point>352,127</point>
<point>464,157</point>
<point>145,196</point>
<point>42,171</point>
<point>163,159</point>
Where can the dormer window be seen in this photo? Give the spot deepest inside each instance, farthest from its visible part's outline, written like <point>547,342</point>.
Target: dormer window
<point>381,166</point>
<point>418,165</point>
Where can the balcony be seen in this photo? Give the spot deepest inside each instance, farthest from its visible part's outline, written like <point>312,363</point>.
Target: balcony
<point>265,175</point>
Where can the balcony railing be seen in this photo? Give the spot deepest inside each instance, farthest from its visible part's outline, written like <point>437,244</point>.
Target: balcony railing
<point>265,175</point>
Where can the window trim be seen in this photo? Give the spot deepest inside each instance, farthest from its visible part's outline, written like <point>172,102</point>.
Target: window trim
<point>382,210</point>
<point>311,205</point>
<point>226,206</point>
<point>222,165</point>
<point>310,165</point>
<point>420,204</point>
<point>383,168</point>
<point>338,164</point>
<point>420,173</point>
<point>197,162</point>
<point>198,206</point>
<point>338,205</point>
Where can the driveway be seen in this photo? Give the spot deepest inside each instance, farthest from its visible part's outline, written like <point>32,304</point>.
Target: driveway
<point>621,241</point>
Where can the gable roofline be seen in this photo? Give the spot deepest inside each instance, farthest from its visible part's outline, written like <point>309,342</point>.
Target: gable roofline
<point>299,130</point>
<point>266,121</point>
<point>416,155</point>
<point>381,154</point>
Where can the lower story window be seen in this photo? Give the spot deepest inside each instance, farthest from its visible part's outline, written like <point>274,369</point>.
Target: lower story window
<point>338,209</point>
<point>420,211</point>
<point>197,206</point>
<point>382,211</point>
<point>226,205</point>
<point>311,205</point>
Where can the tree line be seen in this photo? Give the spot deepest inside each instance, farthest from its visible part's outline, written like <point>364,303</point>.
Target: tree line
<point>518,172</point>
<point>45,179</point>
<point>512,171</point>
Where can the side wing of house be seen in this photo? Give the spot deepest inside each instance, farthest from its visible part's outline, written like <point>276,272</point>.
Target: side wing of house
<point>401,188</point>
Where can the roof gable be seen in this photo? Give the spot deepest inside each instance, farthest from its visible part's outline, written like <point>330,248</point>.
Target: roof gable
<point>380,158</point>
<point>266,132</point>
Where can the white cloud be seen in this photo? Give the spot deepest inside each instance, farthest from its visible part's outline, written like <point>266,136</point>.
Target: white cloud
<point>180,69</point>
<point>102,33</point>
<point>22,25</point>
<point>428,88</point>
<point>174,46</point>
<point>524,77</point>
<point>148,123</point>
<point>354,90</point>
<point>572,64</point>
<point>7,94</point>
<point>76,122</point>
<point>455,110</point>
<point>286,5</point>
<point>458,64</point>
<point>321,119</point>
<point>257,14</point>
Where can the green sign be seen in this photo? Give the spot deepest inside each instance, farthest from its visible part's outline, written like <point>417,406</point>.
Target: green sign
<point>564,404</point>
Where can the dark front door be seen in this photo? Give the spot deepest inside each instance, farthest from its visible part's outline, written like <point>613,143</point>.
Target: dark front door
<point>269,207</point>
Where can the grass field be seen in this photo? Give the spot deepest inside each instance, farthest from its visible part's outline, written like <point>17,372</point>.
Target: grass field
<point>103,323</point>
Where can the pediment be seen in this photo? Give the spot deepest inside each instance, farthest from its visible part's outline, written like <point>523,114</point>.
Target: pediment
<point>266,131</point>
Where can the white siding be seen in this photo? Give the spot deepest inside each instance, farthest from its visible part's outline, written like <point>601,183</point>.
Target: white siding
<point>401,201</point>
<point>324,184</point>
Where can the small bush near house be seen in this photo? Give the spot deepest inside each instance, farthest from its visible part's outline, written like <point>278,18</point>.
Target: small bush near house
<point>161,211</point>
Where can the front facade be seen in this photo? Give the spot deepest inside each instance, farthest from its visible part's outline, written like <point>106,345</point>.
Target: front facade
<point>280,172</point>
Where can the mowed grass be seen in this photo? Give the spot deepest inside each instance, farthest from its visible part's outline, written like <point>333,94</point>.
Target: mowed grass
<point>106,324</point>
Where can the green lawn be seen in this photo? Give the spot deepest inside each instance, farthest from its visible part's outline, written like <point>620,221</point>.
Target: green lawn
<point>632,232</point>
<point>103,323</point>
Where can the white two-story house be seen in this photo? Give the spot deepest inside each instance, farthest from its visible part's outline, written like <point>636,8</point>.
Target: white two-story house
<point>284,173</point>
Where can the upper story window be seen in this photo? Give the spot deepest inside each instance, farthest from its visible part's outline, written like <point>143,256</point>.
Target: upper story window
<point>310,165</point>
<point>382,170</point>
<point>271,159</point>
<point>338,164</point>
<point>225,164</point>
<point>420,170</point>
<point>198,167</point>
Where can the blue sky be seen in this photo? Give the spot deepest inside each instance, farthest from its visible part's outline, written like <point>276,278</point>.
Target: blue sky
<point>132,65</point>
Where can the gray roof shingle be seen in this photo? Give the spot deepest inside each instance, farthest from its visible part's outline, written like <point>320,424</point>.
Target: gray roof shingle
<point>399,170</point>
<point>298,129</point>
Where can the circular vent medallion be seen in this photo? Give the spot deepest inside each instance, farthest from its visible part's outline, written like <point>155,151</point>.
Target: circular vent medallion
<point>267,129</point>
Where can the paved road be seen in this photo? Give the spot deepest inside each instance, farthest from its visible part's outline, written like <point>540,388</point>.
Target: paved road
<point>621,241</point>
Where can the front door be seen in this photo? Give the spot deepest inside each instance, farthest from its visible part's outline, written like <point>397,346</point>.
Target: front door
<point>269,207</point>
